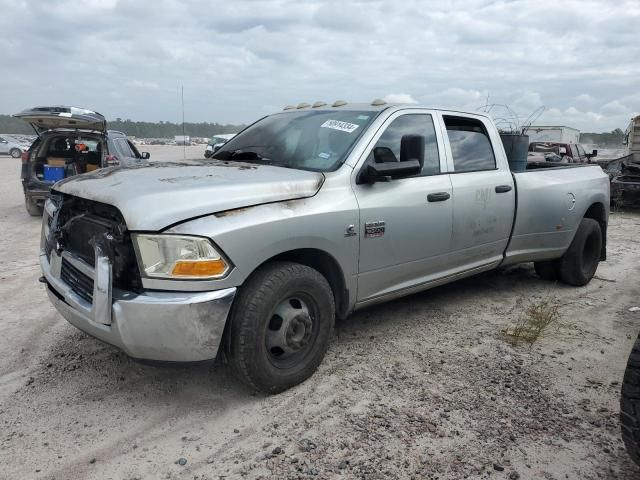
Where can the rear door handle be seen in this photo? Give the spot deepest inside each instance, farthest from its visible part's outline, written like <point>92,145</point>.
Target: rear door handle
<point>438,197</point>
<point>503,188</point>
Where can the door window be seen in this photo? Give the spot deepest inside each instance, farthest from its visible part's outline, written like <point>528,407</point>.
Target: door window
<point>123,147</point>
<point>470,144</point>
<point>581,152</point>
<point>412,124</point>
<point>574,152</point>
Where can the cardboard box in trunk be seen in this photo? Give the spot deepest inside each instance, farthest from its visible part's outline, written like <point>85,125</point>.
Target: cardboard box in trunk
<point>56,161</point>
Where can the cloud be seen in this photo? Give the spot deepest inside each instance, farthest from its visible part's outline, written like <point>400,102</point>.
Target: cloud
<point>143,84</point>
<point>125,59</point>
<point>399,98</point>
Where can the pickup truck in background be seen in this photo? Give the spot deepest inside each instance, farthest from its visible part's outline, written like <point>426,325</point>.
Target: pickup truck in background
<point>306,215</point>
<point>560,152</point>
<point>216,142</point>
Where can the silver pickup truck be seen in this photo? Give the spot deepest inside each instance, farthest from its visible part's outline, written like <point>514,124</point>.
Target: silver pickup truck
<point>305,216</point>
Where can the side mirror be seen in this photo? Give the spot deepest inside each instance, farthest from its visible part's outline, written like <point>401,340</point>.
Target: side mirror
<point>386,165</point>
<point>412,148</point>
<point>377,171</point>
<point>145,155</point>
<point>594,153</point>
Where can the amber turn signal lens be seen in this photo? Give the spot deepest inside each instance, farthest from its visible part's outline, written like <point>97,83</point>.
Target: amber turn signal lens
<point>199,268</point>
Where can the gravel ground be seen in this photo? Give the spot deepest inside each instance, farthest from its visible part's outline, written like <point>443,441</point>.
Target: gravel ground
<point>422,387</point>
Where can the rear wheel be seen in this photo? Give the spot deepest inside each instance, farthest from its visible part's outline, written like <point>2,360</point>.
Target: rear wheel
<point>32,207</point>
<point>280,326</point>
<point>15,152</point>
<point>630,404</point>
<point>580,262</point>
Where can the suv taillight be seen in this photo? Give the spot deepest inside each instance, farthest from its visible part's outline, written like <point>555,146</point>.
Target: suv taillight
<point>24,157</point>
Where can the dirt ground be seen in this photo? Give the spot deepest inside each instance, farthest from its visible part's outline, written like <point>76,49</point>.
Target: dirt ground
<point>423,387</point>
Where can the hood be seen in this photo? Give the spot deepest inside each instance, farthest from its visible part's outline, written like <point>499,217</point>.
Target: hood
<point>71,118</point>
<point>156,195</point>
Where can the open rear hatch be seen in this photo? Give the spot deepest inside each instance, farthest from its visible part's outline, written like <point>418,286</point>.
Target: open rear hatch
<point>43,119</point>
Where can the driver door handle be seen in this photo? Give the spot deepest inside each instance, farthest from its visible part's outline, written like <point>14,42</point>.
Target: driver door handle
<point>438,197</point>
<point>503,188</point>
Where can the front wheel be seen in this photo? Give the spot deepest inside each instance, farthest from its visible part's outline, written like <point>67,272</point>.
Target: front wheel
<point>15,152</point>
<point>630,404</point>
<point>580,262</point>
<point>281,323</point>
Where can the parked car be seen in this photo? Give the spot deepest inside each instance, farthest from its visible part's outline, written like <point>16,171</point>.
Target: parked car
<point>10,146</point>
<point>307,215</point>
<point>630,404</point>
<point>562,152</point>
<point>216,142</point>
<point>70,141</point>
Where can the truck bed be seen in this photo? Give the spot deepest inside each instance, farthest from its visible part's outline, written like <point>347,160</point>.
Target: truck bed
<point>541,229</point>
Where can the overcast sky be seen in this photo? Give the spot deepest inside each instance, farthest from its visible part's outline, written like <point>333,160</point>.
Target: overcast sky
<point>239,60</point>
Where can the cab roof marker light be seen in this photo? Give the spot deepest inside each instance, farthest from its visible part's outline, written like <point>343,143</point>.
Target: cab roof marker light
<point>339,103</point>
<point>303,105</point>
<point>289,107</point>
<point>319,104</point>
<point>377,102</point>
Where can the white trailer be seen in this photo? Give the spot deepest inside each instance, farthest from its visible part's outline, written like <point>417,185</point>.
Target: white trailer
<point>560,134</point>
<point>182,140</point>
<point>632,139</point>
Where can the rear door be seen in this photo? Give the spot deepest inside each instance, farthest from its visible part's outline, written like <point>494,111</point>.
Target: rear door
<point>4,146</point>
<point>405,224</point>
<point>73,118</point>
<point>483,192</point>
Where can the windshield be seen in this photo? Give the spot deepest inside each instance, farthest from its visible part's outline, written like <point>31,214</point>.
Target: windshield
<point>308,140</point>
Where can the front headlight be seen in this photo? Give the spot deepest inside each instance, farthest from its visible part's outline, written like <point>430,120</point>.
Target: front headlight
<point>178,257</point>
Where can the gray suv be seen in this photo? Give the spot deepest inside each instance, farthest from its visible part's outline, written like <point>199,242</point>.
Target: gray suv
<point>70,141</point>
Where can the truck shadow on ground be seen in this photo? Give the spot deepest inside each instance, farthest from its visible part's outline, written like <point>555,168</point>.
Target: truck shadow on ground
<point>96,368</point>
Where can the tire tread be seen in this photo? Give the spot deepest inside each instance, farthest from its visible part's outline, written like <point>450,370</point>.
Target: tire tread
<point>630,404</point>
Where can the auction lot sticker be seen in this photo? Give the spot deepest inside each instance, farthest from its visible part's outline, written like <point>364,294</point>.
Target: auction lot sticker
<point>338,125</point>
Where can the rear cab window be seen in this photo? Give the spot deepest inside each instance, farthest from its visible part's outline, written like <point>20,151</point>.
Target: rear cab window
<point>470,144</point>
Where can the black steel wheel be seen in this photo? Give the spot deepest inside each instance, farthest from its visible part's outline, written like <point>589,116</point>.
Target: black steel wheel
<point>281,323</point>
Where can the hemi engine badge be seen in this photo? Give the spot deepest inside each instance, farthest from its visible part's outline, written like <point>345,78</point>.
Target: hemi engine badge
<point>374,229</point>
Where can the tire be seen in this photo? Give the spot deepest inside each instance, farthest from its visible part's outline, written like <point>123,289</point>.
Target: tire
<point>32,207</point>
<point>281,324</point>
<point>630,404</point>
<point>548,270</point>
<point>580,262</point>
<point>15,152</point>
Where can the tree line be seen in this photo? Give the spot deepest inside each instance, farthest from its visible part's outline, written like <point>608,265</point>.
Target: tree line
<point>11,125</point>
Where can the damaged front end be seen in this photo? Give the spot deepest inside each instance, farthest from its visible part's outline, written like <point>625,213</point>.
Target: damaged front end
<point>91,232</point>
<point>93,279</point>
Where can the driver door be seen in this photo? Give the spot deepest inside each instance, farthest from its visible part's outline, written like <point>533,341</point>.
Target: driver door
<point>405,224</point>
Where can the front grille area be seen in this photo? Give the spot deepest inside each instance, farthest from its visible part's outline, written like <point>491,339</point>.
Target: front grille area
<point>80,283</point>
<point>80,226</point>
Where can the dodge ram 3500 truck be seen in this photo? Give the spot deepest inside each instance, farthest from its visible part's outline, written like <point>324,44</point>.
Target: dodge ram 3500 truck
<point>305,216</point>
